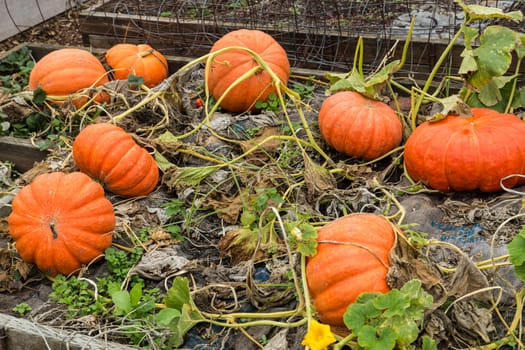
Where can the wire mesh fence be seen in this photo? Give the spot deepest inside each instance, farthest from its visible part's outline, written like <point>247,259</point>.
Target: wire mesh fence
<point>318,34</point>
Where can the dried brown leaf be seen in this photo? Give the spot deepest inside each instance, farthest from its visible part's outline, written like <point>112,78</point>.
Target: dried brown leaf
<point>226,208</point>
<point>467,278</point>
<point>276,291</point>
<point>408,263</point>
<point>241,245</point>
<point>473,319</point>
<point>318,179</point>
<point>265,147</point>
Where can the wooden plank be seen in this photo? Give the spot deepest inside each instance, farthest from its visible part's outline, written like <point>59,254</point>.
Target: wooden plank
<point>21,152</point>
<point>21,334</point>
<point>39,50</point>
<point>174,62</point>
<point>330,51</point>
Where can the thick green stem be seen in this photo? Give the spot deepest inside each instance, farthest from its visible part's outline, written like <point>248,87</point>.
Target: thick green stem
<point>432,75</point>
<point>514,85</point>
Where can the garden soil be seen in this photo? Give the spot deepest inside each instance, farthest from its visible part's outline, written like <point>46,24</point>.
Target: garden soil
<point>468,228</point>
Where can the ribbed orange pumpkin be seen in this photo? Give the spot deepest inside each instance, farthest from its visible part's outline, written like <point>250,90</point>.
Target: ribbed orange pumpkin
<point>359,127</point>
<point>468,153</point>
<point>352,257</point>
<point>229,66</point>
<point>109,154</point>
<point>140,60</point>
<point>61,221</point>
<point>67,73</point>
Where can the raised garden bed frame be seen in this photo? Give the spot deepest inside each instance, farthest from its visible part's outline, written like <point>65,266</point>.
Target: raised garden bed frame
<point>103,29</point>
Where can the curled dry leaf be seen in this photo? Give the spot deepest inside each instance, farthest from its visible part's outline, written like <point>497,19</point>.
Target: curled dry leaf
<point>473,319</point>
<point>318,180</point>
<point>276,291</point>
<point>227,208</point>
<point>265,145</point>
<point>240,245</point>
<point>467,279</point>
<point>160,263</point>
<point>408,263</point>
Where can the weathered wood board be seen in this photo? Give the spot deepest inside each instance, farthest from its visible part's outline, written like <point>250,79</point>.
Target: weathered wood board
<point>194,38</point>
<point>22,334</point>
<point>21,152</point>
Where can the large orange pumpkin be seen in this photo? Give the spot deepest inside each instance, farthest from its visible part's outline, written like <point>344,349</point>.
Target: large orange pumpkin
<point>109,154</point>
<point>140,60</point>
<point>352,257</point>
<point>229,66</point>
<point>61,221</point>
<point>359,127</point>
<point>467,153</point>
<point>68,73</point>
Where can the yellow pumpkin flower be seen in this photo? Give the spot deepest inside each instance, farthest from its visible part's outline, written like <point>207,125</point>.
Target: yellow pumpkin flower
<point>318,337</point>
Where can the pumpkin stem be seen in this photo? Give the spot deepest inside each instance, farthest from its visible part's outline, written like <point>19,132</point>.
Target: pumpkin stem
<point>145,53</point>
<point>154,54</point>
<point>53,230</point>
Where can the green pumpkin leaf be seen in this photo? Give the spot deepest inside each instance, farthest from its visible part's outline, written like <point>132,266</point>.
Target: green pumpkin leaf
<point>498,37</point>
<point>42,144</point>
<point>406,330</point>
<point>398,311</point>
<point>190,175</point>
<point>39,96</point>
<point>303,237</point>
<point>470,34</point>
<point>475,100</point>
<point>378,80</point>
<point>452,105</point>
<point>351,82</point>
<point>162,162</point>
<point>419,299</point>
<point>519,98</point>
<point>372,339</point>
<point>468,64</point>
<point>369,87</point>
<point>394,303</point>
<point>167,315</point>
<point>355,80</point>
<point>516,249</point>
<point>494,55</point>
<point>181,325</point>
<point>429,343</point>
<point>167,137</point>
<point>135,80</point>
<point>178,294</point>
<point>479,12</point>
<point>179,322</point>
<point>382,76</point>
<point>179,299</point>
<point>361,311</point>
<point>491,94</point>
<point>335,77</point>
